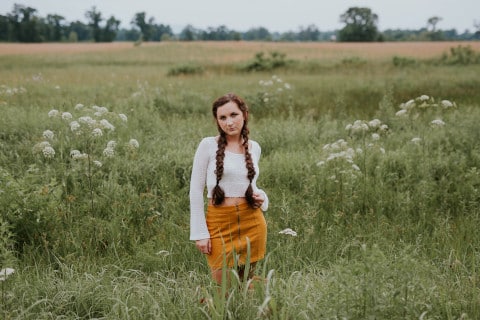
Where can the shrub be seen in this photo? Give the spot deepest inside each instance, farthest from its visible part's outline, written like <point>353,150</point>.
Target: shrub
<point>186,69</point>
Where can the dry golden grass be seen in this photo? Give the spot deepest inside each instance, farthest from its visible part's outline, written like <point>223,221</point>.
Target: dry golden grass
<point>237,51</point>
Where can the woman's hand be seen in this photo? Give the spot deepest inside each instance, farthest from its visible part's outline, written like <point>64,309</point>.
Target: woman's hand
<point>258,199</point>
<point>204,246</point>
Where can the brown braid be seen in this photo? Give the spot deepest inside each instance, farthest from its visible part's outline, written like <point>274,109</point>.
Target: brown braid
<point>250,167</point>
<point>218,195</point>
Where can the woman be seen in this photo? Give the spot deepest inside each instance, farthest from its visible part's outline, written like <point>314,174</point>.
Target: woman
<point>228,165</point>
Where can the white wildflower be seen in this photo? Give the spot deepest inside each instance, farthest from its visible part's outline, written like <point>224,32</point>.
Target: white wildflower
<point>375,123</point>
<point>74,126</point>
<point>66,116</point>
<point>355,167</point>
<point>102,110</point>
<point>80,156</point>
<point>106,125</point>
<point>5,273</point>
<point>97,163</point>
<point>123,117</point>
<point>401,113</point>
<point>163,253</point>
<point>79,106</point>
<point>416,140</point>
<point>423,97</point>
<point>109,152</point>
<point>446,104</point>
<point>289,232</point>
<point>375,136</point>
<point>134,143</point>
<point>74,153</point>
<point>437,123</point>
<point>287,86</point>
<point>48,152</point>
<point>383,128</point>
<point>348,127</point>
<point>320,163</point>
<point>53,113</point>
<point>97,132</point>
<point>409,104</point>
<point>111,144</point>
<point>358,126</point>
<point>48,134</point>
<point>382,150</point>
<point>87,120</point>
<point>57,87</point>
<point>40,146</point>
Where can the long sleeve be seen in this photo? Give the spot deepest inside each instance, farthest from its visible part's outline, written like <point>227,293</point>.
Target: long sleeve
<point>198,224</point>
<point>258,152</point>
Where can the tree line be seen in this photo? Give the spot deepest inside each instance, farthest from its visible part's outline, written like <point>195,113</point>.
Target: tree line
<point>23,24</point>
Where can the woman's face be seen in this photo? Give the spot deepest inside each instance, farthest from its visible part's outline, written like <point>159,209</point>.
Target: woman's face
<point>230,119</point>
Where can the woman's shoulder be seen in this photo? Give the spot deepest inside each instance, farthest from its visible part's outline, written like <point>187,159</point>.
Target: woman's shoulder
<point>208,142</point>
<point>254,145</point>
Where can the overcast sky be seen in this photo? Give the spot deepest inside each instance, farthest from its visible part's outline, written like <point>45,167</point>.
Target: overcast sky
<point>275,15</point>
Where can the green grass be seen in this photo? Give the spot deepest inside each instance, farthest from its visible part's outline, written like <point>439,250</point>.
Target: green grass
<point>394,238</point>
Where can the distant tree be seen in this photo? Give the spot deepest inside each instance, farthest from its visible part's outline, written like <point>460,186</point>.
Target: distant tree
<point>128,35</point>
<point>24,24</point>
<point>94,18</point>
<point>109,33</point>
<point>189,33</point>
<point>161,32</point>
<point>476,25</point>
<point>360,25</point>
<point>432,23</point>
<point>55,28</point>
<point>4,28</point>
<point>260,33</point>
<point>146,28</point>
<point>432,33</point>
<point>78,31</point>
<point>310,33</point>
<point>220,33</point>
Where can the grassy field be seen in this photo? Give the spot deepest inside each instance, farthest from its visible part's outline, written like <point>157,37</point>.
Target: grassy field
<point>370,154</point>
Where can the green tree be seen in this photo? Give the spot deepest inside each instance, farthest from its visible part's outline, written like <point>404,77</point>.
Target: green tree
<point>432,33</point>
<point>146,28</point>
<point>360,25</point>
<point>189,33</point>
<point>259,33</point>
<point>79,31</point>
<point>111,28</point>
<point>55,28</point>
<point>94,18</point>
<point>310,33</point>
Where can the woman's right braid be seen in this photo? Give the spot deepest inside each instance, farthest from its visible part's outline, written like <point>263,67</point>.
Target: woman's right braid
<point>218,195</point>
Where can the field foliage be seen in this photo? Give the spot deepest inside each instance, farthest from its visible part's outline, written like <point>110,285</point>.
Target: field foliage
<point>372,161</point>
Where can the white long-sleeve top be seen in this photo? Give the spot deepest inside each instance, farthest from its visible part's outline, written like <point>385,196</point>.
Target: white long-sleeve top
<point>234,181</point>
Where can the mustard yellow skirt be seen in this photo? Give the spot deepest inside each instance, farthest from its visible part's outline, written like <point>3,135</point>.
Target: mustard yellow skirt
<point>229,228</point>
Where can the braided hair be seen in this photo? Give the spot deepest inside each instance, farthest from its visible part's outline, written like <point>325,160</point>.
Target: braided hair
<point>218,195</point>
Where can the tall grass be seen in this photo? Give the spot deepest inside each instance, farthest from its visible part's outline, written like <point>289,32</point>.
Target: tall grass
<point>384,202</point>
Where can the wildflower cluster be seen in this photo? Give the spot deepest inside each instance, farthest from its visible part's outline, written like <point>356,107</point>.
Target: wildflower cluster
<point>7,91</point>
<point>339,152</point>
<point>414,107</point>
<point>361,127</point>
<point>272,89</point>
<point>87,129</point>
